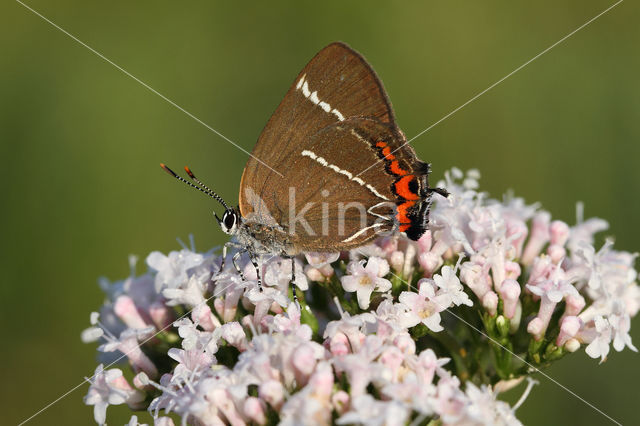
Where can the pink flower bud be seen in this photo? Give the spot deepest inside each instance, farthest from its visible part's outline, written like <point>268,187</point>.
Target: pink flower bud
<point>161,315</point>
<point>430,262</point>
<point>202,315</point>
<point>138,360</point>
<point>510,292</point>
<point>574,304</point>
<point>392,358</point>
<point>254,410</point>
<point>559,232</point>
<point>388,244</point>
<point>320,259</point>
<point>234,334</point>
<point>339,344</point>
<point>425,242</point>
<point>218,305</point>
<point>490,302</point>
<point>556,253</point>
<point>405,343</point>
<point>340,401</point>
<point>572,345</point>
<point>304,362</point>
<point>541,270</point>
<point>569,327</point>
<point>313,274</point>
<point>272,392</point>
<point>536,328</point>
<point>517,232</point>
<point>141,380</point>
<point>539,237</point>
<point>327,270</point>
<point>476,278</point>
<point>322,381</point>
<point>126,310</point>
<point>396,260</point>
<point>512,270</point>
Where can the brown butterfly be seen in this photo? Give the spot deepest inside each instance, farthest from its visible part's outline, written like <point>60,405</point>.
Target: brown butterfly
<point>310,186</point>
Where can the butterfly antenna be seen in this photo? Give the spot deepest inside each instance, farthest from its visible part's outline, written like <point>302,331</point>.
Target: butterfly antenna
<point>202,189</point>
<point>202,185</point>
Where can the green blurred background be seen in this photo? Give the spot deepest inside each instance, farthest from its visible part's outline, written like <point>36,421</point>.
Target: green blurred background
<point>81,143</point>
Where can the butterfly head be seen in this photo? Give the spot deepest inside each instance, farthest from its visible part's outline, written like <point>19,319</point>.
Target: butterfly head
<point>230,221</point>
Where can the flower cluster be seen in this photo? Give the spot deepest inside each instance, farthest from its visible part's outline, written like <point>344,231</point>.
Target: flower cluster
<point>381,335</point>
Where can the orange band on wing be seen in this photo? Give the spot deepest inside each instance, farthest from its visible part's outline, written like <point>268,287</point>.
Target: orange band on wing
<point>403,208</point>
<point>396,169</point>
<point>402,188</point>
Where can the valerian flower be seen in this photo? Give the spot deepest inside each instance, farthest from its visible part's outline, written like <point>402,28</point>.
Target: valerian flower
<point>393,332</point>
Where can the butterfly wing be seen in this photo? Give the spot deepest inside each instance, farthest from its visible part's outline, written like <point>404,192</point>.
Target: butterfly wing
<point>333,124</point>
<point>335,85</point>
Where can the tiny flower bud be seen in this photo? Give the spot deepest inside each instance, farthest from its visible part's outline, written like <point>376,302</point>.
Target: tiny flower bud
<point>572,345</point>
<point>141,379</point>
<point>569,327</point>
<point>163,421</point>
<point>517,231</point>
<point>503,325</point>
<point>396,260</point>
<point>512,270</point>
<point>575,303</point>
<point>405,343</point>
<point>218,305</point>
<point>430,262</point>
<point>272,392</point>
<point>556,253</point>
<point>202,315</point>
<point>536,328</point>
<point>254,410</point>
<point>339,344</point>
<point>509,292</point>
<point>160,314</point>
<point>126,310</point>
<point>304,362</point>
<point>490,302</point>
<point>340,401</point>
<point>539,237</point>
<point>559,232</point>
<point>313,274</point>
<point>425,242</point>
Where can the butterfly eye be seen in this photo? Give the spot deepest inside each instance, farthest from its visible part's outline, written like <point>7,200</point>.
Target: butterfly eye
<point>229,219</point>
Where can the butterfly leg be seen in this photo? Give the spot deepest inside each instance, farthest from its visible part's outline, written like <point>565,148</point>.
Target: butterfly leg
<point>254,261</point>
<point>234,259</point>
<point>293,281</point>
<point>225,248</point>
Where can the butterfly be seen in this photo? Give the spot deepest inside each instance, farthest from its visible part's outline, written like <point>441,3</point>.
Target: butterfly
<point>331,170</point>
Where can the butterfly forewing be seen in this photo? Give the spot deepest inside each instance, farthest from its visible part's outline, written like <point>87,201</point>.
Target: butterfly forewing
<point>334,123</point>
<point>337,84</point>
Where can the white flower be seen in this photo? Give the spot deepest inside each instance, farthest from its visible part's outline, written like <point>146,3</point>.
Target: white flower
<point>599,346</point>
<point>190,362</point>
<point>485,409</point>
<point>621,325</point>
<point>109,387</point>
<point>364,280</point>
<point>172,270</point>
<point>367,411</point>
<point>189,293</point>
<point>450,285</point>
<point>424,306</point>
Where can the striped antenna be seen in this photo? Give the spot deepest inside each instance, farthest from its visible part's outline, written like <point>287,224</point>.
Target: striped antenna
<point>200,187</point>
